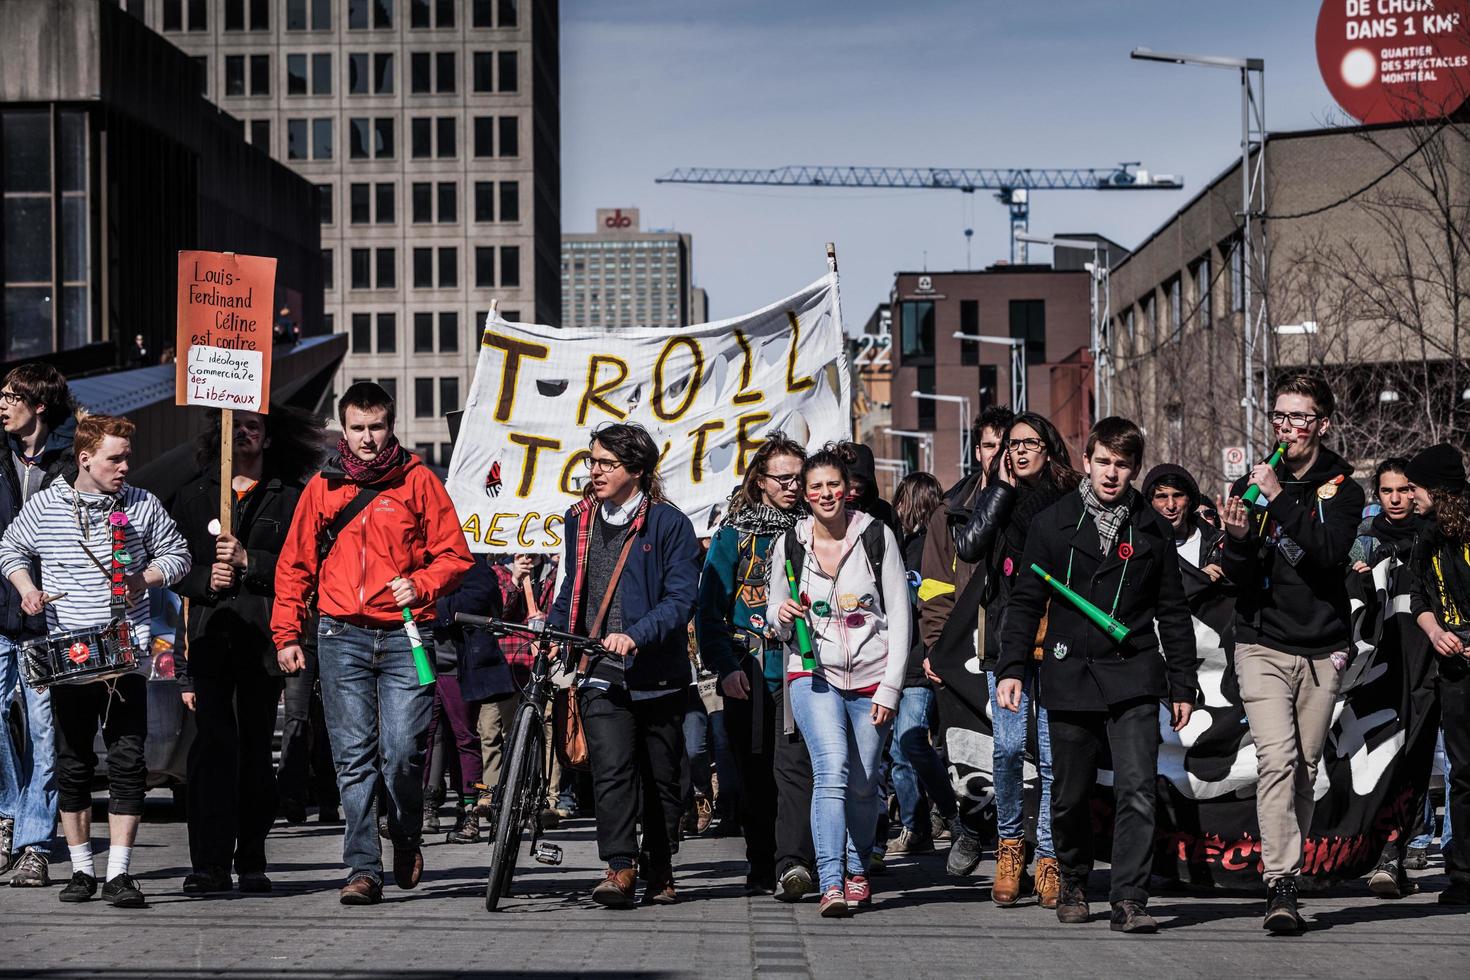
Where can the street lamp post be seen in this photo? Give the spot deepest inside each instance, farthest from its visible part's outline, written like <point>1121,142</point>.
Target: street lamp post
<point>1101,310</point>
<point>964,404</point>
<point>1018,363</point>
<point>1252,209</point>
<point>926,444</point>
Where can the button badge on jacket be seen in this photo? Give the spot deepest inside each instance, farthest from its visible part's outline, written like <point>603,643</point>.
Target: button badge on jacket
<point>1059,650</point>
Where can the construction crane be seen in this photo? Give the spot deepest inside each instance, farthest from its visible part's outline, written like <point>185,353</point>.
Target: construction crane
<point>1012,187</point>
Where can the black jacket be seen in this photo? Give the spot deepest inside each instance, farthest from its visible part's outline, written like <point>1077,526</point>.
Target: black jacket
<point>1291,567</point>
<point>482,669</point>
<point>913,555</point>
<point>56,461</point>
<point>1093,671</point>
<point>235,623</point>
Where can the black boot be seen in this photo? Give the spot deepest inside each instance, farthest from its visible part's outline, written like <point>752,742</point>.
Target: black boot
<point>433,799</point>
<point>1389,879</point>
<point>468,830</point>
<point>1281,914</point>
<point>1072,900</point>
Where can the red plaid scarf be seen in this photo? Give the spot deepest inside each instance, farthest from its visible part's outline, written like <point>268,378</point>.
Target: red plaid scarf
<point>584,513</point>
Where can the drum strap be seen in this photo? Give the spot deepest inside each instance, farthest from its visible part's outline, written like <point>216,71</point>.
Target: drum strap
<point>118,522</point>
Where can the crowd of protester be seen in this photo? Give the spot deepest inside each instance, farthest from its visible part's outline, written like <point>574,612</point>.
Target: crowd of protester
<point>779,680</point>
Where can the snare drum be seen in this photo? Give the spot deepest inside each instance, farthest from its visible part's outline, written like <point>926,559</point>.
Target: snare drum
<point>82,656</point>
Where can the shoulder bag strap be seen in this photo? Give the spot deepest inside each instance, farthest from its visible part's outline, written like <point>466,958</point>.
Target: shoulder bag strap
<point>327,537</point>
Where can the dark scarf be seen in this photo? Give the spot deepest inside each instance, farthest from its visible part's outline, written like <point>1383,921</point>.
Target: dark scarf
<point>760,520</point>
<point>390,457</point>
<point>1397,535</point>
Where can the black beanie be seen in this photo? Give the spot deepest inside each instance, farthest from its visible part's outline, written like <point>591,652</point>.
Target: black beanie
<point>1439,468</point>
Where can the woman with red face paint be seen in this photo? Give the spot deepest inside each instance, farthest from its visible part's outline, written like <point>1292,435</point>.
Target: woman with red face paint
<point>852,592</point>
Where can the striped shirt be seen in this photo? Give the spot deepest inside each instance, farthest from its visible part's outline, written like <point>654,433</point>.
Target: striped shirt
<point>62,526</point>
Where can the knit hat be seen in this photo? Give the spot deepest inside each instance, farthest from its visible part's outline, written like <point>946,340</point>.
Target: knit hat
<point>1155,475</point>
<point>1439,467</point>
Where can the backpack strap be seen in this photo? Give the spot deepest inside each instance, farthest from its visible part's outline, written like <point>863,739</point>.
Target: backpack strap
<point>875,545</point>
<point>796,554</point>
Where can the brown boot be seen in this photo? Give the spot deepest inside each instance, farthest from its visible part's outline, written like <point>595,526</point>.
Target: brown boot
<point>615,891</point>
<point>658,889</point>
<point>361,890</point>
<point>1048,882</point>
<point>1010,864</point>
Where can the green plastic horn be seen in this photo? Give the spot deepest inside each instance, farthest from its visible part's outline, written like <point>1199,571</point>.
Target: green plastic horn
<point>1106,623</point>
<point>422,665</point>
<point>803,632</point>
<point>1253,491</point>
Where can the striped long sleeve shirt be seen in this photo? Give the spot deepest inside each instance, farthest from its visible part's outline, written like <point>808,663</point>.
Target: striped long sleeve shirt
<point>67,529</point>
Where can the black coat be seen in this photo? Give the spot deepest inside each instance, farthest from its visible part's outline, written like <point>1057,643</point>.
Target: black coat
<point>481,667</point>
<point>235,623</point>
<point>1094,672</point>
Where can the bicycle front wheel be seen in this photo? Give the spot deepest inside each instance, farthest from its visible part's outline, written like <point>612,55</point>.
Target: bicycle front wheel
<point>518,803</point>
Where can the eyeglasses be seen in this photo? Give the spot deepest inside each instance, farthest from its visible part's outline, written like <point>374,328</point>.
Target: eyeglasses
<point>1297,419</point>
<point>603,465</point>
<point>787,481</point>
<point>1031,445</point>
<point>11,397</point>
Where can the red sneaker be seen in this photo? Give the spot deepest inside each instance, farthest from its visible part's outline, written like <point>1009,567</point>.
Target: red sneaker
<point>858,891</point>
<point>834,904</point>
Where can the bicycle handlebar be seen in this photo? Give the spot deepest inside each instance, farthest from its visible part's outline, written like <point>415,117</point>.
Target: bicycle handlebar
<point>542,633</point>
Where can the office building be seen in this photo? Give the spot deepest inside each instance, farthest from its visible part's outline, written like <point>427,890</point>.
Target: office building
<point>431,129</point>
<point>1044,313</point>
<point>622,276</point>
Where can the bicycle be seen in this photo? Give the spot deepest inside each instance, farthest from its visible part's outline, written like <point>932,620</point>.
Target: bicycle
<point>521,791</point>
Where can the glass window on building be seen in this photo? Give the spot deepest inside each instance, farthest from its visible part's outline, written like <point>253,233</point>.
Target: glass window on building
<point>198,16</point>
<point>420,74</point>
<point>989,386</point>
<point>510,136</point>
<point>234,74</point>
<point>390,385</point>
<point>916,321</point>
<point>1028,323</point>
<point>387,333</point>
<point>924,381</point>
<point>509,66</point>
<point>421,137</point>
<point>423,268</point>
<point>329,273</point>
<point>510,265</point>
<point>362,268</point>
<point>297,147</point>
<point>482,71</point>
<point>484,266</point>
<point>484,136</point>
<point>359,204</point>
<point>445,73</point>
<point>423,333</point>
<point>1203,293</point>
<point>448,268</point>
<point>484,199</point>
<point>362,333</point>
<point>360,138</point>
<point>384,203</point>
<point>444,13</point>
<point>448,202</point>
<point>423,203</point>
<point>383,137</point>
<point>296,79</point>
<point>1176,308</point>
<point>357,14</point>
<point>383,14</point>
<point>326,196</point>
<point>1237,276</point>
<point>449,332</point>
<point>446,130</point>
<point>260,15</point>
<point>970,324</point>
<point>449,395</point>
<point>321,139</point>
<point>358,73</point>
<point>260,74</point>
<point>423,398</point>
<point>387,268</point>
<point>295,15</point>
<point>234,15</point>
<point>260,134</point>
<point>481,13</point>
<point>173,15</point>
<point>505,13</point>
<point>321,74</point>
<point>383,73</point>
<point>510,200</point>
<point>418,14</point>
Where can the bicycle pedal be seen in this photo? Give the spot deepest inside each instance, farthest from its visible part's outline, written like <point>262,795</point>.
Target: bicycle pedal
<point>546,853</point>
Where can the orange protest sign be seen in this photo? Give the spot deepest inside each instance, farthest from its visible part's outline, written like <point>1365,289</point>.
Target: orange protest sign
<point>225,328</point>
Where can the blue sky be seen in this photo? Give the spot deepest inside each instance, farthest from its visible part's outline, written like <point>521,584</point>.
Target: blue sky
<point>649,85</point>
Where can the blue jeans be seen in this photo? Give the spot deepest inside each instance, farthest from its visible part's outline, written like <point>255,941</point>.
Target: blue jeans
<point>378,722</point>
<point>1010,764</point>
<point>915,763</point>
<point>28,770</point>
<point>1445,832</point>
<point>846,750</point>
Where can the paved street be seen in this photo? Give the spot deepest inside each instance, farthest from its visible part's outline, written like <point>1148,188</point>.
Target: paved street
<point>923,925</point>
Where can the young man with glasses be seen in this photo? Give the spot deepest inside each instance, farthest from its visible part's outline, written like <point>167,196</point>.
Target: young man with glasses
<point>36,410</point>
<point>1288,556</point>
<point>632,577</point>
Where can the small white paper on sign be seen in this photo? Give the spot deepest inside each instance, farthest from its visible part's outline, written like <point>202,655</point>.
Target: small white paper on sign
<point>221,378</point>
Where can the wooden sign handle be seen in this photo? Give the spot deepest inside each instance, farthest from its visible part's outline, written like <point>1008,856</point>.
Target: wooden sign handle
<point>226,470</point>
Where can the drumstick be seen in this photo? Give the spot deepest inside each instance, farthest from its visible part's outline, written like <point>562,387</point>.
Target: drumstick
<point>46,600</point>
<point>532,610</point>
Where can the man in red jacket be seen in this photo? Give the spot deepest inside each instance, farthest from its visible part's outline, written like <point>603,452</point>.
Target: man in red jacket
<point>401,548</point>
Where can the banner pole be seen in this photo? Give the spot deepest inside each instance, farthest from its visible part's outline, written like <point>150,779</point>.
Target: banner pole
<point>226,469</point>
<point>831,256</point>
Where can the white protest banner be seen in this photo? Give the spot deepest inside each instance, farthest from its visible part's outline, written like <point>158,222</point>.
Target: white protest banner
<point>706,393</point>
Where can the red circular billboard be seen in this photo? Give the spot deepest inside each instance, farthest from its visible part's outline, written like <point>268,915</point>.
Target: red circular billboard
<point>1393,60</point>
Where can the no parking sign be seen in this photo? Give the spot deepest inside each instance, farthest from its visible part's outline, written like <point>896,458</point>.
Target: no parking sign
<point>1233,459</point>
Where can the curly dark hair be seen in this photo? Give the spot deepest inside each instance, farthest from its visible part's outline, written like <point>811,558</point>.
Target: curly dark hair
<point>636,450</point>
<point>297,443</point>
<point>1452,511</point>
<point>748,494</point>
